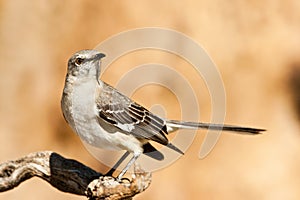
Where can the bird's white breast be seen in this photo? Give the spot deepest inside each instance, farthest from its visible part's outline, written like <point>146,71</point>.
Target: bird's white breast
<point>84,113</point>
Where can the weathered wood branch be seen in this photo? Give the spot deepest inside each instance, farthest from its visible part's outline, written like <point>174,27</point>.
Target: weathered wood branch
<point>70,176</point>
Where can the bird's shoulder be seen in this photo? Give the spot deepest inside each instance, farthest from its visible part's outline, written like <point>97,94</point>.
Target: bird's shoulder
<point>110,95</point>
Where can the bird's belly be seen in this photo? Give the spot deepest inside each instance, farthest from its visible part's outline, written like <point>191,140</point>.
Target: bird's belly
<point>95,135</point>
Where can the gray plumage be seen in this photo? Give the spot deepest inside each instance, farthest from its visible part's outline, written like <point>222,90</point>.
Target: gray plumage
<point>105,118</point>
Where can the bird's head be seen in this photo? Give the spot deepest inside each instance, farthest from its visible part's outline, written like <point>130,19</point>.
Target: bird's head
<point>85,64</point>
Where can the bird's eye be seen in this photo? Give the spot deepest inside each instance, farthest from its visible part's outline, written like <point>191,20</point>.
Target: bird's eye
<point>78,61</point>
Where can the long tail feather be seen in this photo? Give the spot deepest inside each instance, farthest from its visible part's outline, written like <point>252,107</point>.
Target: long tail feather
<point>196,125</point>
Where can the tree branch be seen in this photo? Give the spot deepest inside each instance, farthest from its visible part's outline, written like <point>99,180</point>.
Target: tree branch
<point>70,176</point>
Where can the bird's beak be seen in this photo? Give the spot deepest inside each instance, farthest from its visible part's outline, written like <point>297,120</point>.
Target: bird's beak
<point>98,56</point>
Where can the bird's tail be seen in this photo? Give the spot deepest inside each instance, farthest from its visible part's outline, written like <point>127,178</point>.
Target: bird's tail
<point>175,125</point>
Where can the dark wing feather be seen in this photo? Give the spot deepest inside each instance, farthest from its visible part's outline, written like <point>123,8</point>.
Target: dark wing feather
<point>129,117</point>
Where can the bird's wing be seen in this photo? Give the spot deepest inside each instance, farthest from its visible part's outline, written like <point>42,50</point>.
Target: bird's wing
<point>122,113</point>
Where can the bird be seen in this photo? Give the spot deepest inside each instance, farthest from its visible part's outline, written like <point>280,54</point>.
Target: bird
<point>105,118</point>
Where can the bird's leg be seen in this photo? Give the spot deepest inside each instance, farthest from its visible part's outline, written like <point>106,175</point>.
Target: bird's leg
<point>115,167</point>
<point>132,160</point>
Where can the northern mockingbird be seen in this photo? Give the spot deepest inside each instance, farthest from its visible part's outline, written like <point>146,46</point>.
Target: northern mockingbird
<point>105,118</point>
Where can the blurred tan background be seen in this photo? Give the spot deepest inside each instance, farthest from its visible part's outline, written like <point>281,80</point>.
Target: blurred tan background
<point>255,44</point>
